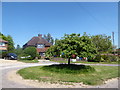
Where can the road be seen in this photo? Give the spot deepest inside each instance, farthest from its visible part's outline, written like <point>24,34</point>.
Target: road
<point>7,66</point>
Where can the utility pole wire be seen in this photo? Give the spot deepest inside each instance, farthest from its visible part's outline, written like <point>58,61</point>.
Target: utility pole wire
<point>92,16</point>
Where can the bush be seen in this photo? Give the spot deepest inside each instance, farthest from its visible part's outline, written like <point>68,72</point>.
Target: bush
<point>106,58</point>
<point>98,58</point>
<point>114,58</point>
<point>30,51</point>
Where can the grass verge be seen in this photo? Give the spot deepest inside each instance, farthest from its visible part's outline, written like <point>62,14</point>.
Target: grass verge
<point>90,75</point>
<point>29,61</point>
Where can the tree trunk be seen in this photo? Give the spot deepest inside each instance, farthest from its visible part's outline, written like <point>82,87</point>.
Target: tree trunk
<point>68,61</point>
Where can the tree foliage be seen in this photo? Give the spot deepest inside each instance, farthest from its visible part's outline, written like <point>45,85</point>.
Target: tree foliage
<point>81,46</point>
<point>18,50</point>
<point>30,51</point>
<point>49,38</point>
<point>103,43</point>
<point>10,41</point>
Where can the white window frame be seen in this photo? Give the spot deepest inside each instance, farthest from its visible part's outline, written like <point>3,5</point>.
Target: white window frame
<point>40,46</point>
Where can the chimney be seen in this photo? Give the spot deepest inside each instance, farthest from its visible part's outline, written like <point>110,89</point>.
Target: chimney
<point>40,35</point>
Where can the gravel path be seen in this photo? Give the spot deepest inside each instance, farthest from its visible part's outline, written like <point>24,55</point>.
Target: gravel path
<point>12,80</point>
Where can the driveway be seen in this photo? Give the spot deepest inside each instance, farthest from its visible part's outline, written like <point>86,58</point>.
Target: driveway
<point>11,80</point>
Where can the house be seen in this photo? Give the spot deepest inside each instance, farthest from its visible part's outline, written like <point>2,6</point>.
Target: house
<point>3,45</point>
<point>40,43</point>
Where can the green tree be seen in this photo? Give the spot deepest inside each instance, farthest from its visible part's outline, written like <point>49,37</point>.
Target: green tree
<point>18,46</point>
<point>31,51</point>
<point>56,41</point>
<point>3,36</point>
<point>10,43</point>
<point>18,50</point>
<point>103,43</point>
<point>73,44</point>
<point>49,38</point>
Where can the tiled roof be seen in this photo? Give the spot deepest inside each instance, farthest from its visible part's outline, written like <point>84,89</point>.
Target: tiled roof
<point>37,40</point>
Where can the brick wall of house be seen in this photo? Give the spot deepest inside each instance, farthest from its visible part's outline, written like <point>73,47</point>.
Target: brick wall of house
<point>4,47</point>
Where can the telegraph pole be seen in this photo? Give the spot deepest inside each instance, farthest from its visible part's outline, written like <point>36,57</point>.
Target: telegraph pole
<point>113,41</point>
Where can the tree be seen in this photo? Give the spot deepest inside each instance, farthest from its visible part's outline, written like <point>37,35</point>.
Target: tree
<point>18,46</point>
<point>18,50</point>
<point>103,43</point>
<point>49,38</point>
<point>56,41</point>
<point>3,36</point>
<point>73,44</point>
<point>10,43</point>
<point>31,51</point>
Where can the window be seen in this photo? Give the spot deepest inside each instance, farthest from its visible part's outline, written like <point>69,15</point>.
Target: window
<point>40,46</point>
<point>2,44</point>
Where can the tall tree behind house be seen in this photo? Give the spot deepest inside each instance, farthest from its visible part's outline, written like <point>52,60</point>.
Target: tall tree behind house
<point>49,38</point>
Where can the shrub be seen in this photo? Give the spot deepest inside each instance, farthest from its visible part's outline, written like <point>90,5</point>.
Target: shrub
<point>114,58</point>
<point>98,58</point>
<point>30,51</point>
<point>106,57</point>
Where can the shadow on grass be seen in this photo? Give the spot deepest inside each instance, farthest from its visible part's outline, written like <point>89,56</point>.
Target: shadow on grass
<point>72,68</point>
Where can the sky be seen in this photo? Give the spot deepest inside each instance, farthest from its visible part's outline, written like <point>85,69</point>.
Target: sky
<point>23,20</point>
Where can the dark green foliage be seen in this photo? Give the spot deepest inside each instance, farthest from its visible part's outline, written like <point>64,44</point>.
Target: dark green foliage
<point>71,69</point>
<point>30,51</point>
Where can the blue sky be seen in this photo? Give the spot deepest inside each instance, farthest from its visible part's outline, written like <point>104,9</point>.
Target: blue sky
<point>24,20</point>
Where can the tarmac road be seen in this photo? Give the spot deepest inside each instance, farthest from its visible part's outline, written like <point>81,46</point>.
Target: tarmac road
<point>7,67</point>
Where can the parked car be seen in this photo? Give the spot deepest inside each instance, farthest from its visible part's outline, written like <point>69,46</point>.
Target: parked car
<point>11,56</point>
